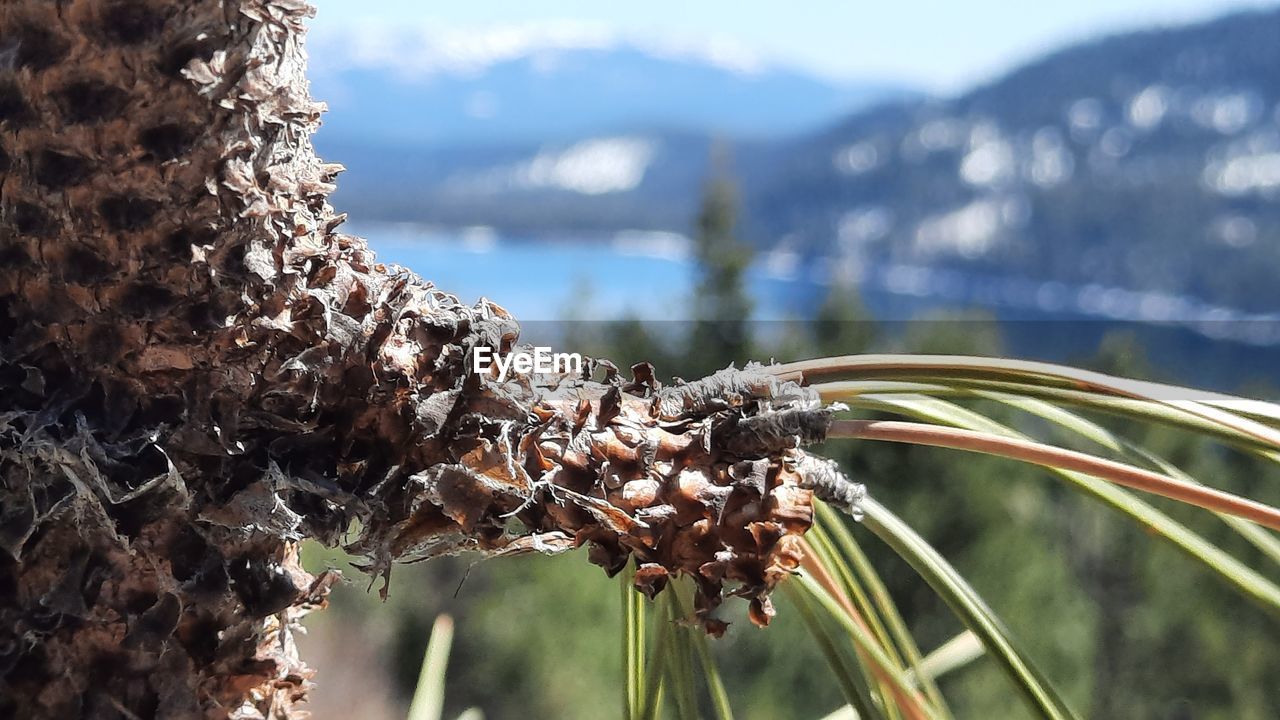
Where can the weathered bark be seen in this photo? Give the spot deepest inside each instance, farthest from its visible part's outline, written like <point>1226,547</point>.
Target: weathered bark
<point>197,370</point>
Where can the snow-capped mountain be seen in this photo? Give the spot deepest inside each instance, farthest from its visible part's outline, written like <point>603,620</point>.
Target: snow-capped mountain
<point>420,87</point>
<point>1147,161</point>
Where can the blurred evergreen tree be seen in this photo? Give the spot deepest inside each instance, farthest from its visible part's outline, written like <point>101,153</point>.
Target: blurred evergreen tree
<point>721,331</point>
<point>632,340</point>
<point>842,325</point>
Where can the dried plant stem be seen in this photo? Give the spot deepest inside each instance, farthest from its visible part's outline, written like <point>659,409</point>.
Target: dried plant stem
<point>911,703</point>
<point>1227,411</point>
<point>199,370</point>
<point>1049,456</point>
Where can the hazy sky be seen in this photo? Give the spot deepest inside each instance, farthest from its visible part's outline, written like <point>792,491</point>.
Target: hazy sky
<point>940,46</point>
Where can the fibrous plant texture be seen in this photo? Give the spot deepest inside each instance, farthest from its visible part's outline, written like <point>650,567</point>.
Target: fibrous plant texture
<point>198,370</point>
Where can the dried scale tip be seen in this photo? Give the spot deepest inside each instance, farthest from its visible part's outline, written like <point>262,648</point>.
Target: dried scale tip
<point>828,483</point>
<point>703,478</point>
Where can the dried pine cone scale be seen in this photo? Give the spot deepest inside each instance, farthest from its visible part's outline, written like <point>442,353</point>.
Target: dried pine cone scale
<point>704,479</point>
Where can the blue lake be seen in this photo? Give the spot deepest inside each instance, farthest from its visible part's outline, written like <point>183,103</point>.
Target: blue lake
<point>647,275</point>
<point>650,276</point>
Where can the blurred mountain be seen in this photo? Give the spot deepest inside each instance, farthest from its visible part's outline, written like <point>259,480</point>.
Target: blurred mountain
<point>407,87</point>
<point>1148,161</point>
<point>549,128</point>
